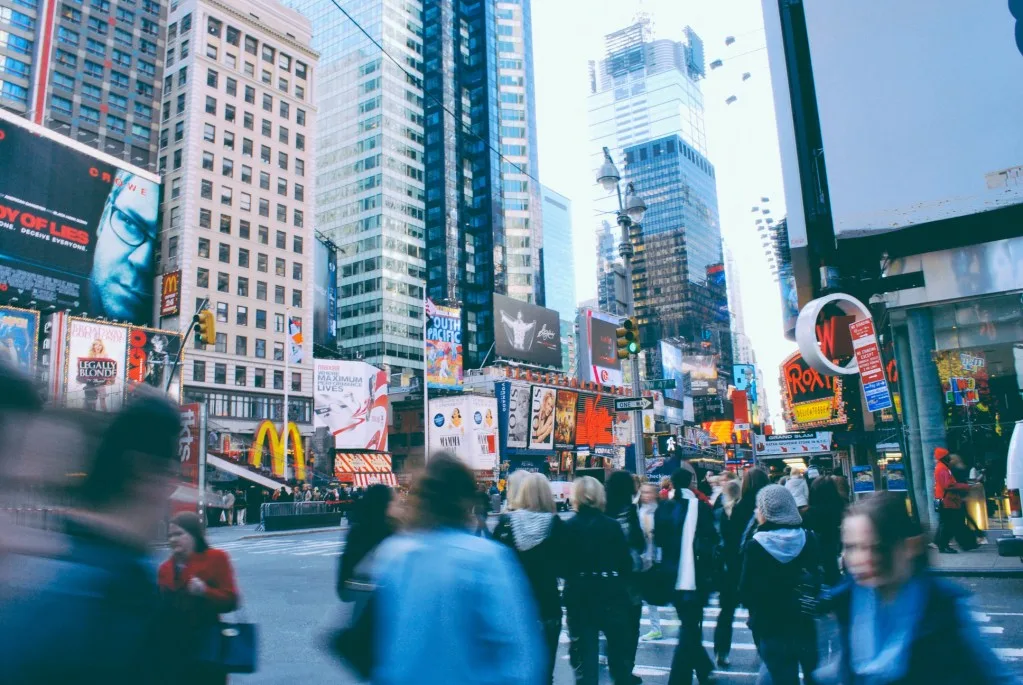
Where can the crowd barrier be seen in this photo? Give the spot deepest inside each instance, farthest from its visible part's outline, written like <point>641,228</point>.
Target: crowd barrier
<point>293,515</point>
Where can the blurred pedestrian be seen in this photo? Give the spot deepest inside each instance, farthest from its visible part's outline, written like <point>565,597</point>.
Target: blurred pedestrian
<point>240,507</point>
<point>779,575</point>
<point>90,611</point>
<point>620,490</point>
<point>648,501</point>
<point>665,492</point>
<point>198,585</point>
<point>754,480</point>
<point>532,528</point>
<point>684,532</point>
<point>796,485</point>
<point>824,518</point>
<point>228,502</point>
<point>371,525</point>
<point>730,528</point>
<point>597,569</point>
<point>451,608</point>
<point>948,495</point>
<point>898,623</point>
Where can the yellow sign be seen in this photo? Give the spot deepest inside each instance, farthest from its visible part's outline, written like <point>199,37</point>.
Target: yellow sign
<point>268,430</point>
<point>816,410</point>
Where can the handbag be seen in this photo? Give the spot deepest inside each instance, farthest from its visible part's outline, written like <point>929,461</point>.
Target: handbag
<point>230,647</point>
<point>354,644</point>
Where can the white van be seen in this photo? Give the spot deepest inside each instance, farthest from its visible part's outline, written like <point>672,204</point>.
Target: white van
<point>562,492</point>
<point>1013,546</point>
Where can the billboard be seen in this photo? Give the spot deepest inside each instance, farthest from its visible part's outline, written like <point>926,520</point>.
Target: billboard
<point>564,420</point>
<point>595,424</point>
<point>526,332</point>
<point>170,294</point>
<point>151,357</point>
<point>703,373</point>
<point>324,295</point>
<point>671,367</point>
<point>444,348</point>
<point>792,444</point>
<point>541,418</point>
<point>350,401</point>
<point>811,399</point>
<point>887,155</point>
<point>19,333</point>
<point>598,348</point>
<point>514,410</point>
<point>465,426</point>
<point>78,230</point>
<point>94,373</point>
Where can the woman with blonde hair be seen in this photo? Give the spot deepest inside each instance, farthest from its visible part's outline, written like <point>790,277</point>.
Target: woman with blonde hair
<point>533,530</point>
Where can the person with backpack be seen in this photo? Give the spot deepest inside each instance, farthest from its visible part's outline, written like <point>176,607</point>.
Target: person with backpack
<point>780,583</point>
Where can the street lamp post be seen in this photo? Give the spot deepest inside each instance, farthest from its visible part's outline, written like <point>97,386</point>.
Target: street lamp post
<point>630,211</point>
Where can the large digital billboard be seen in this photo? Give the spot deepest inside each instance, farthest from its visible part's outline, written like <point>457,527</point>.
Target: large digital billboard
<point>324,295</point>
<point>444,348</point>
<point>671,368</point>
<point>350,401</point>
<point>598,348</point>
<point>703,373</point>
<point>526,332</point>
<point>78,230</point>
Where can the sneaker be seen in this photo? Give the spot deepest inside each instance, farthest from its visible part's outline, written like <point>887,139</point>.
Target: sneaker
<point>602,660</point>
<point>723,662</point>
<point>949,550</point>
<point>653,635</point>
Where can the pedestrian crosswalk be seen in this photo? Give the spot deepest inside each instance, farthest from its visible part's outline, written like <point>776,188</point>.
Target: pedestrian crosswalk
<point>331,547</point>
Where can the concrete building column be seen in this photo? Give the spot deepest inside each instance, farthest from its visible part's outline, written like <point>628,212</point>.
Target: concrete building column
<point>930,404</point>
<point>910,425</point>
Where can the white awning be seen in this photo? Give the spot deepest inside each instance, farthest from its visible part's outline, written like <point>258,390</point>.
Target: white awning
<point>364,480</point>
<point>242,472</point>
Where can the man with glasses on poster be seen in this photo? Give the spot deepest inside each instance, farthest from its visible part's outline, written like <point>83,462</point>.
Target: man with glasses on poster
<point>122,267</point>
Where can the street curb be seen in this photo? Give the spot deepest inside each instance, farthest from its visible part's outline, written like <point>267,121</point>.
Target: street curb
<point>1010,573</point>
<point>287,533</point>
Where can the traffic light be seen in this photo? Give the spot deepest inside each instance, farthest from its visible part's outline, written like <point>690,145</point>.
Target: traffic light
<point>628,339</point>
<point>207,329</point>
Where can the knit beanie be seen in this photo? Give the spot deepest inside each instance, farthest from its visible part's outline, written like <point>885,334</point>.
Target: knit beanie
<point>778,506</point>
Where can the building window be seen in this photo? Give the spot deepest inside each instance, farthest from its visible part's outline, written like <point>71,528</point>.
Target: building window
<point>264,154</point>
<point>226,197</point>
<point>264,180</point>
<point>296,298</point>
<point>280,267</point>
<point>281,240</point>
<point>179,131</point>
<point>227,167</point>
<point>221,343</point>
<point>268,102</point>
<point>209,133</point>
<point>297,244</point>
<point>214,27</point>
<point>202,278</point>
<point>300,117</point>
<point>278,351</point>
<point>261,319</point>
<point>205,218</point>
<point>93,69</point>
<point>231,86</point>
<point>267,128</point>
<point>278,380</point>
<point>143,132</point>
<point>239,371</point>
<point>206,190</point>
<point>278,323</point>
<point>299,194</point>
<point>285,110</point>
<point>299,167</point>
<point>299,218</point>
<point>260,348</point>
<point>89,114</point>
<point>264,235</point>
<point>204,248</point>
<point>222,312</point>
<point>264,207</point>
<point>224,253</point>
<point>246,175</point>
<point>223,282</point>
<point>242,315</point>
<point>245,201</point>
<point>259,378</point>
<point>261,291</point>
<point>243,286</point>
<point>261,263</point>
<point>199,371</point>
<point>282,160</point>
<point>212,78</point>
<point>121,57</point>
<point>296,380</point>
<point>228,140</point>
<point>175,184</point>
<point>278,294</point>
<point>65,35</point>
<point>296,271</point>
<point>243,257</point>
<point>207,161</point>
<point>244,228</point>
<point>177,153</point>
<point>220,372</point>
<point>211,105</point>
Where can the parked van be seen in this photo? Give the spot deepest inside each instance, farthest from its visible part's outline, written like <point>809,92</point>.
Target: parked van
<point>1013,546</point>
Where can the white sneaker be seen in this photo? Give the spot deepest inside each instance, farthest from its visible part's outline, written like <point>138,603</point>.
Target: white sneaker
<point>653,635</point>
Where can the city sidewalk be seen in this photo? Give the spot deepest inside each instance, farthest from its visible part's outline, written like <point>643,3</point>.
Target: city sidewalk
<point>222,534</point>
<point>981,562</point>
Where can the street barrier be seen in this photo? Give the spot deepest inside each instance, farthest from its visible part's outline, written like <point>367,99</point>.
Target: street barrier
<point>293,515</point>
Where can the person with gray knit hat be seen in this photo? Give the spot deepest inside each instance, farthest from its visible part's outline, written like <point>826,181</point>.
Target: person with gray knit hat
<point>780,569</point>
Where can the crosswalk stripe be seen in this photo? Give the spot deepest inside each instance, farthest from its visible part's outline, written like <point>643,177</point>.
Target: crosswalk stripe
<point>674,622</point>
<point>1009,653</point>
<point>993,630</point>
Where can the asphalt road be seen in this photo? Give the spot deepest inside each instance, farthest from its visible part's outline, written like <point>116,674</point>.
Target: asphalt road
<point>288,589</point>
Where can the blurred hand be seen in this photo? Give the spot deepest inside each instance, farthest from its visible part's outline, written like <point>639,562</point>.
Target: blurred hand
<point>196,587</point>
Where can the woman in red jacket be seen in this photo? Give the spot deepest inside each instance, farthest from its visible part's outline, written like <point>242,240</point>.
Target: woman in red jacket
<point>198,583</point>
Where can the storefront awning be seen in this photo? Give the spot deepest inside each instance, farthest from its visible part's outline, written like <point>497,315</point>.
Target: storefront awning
<point>362,462</point>
<point>364,480</point>
<point>242,472</point>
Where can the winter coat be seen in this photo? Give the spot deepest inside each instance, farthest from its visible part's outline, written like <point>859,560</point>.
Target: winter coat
<point>537,539</point>
<point>776,561</point>
<point>947,489</point>
<point>742,516</point>
<point>796,485</point>
<point>361,541</point>
<point>945,648</point>
<point>628,519</point>
<point>597,562</point>
<point>668,527</point>
<point>827,529</point>
<point>731,529</point>
<point>213,567</point>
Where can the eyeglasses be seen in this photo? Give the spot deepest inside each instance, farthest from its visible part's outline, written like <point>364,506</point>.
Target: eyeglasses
<point>131,232</point>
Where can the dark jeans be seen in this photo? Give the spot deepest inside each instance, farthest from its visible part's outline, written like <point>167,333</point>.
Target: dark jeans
<point>689,655</point>
<point>729,601</point>
<point>551,635</point>
<point>585,624</point>
<point>949,523</point>
<point>635,615</point>
<point>781,657</point>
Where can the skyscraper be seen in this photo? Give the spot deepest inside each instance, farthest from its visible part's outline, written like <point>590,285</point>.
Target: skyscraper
<point>483,207</point>
<point>370,198</point>
<point>559,268</point>
<point>89,70</point>
<point>237,206</point>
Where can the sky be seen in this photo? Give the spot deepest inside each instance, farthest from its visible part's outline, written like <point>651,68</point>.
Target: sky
<point>742,137</point>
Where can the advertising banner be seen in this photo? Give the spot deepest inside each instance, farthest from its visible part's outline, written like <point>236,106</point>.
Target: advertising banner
<point>671,367</point>
<point>351,403</point>
<point>598,349</point>
<point>792,444</point>
<point>170,294</point>
<point>294,340</point>
<point>94,375</point>
<point>151,356</point>
<point>518,416</point>
<point>483,411</point>
<point>564,422</point>
<point>465,426</point>
<point>703,373</point>
<point>324,295</point>
<point>595,423</point>
<point>526,332</point>
<point>743,376</point>
<point>811,399</point>
<point>444,347</point>
<point>19,333</point>
<point>720,432</point>
<point>740,410</point>
<point>188,445</point>
<point>868,358</point>
<point>541,421</point>
<point>76,231</point>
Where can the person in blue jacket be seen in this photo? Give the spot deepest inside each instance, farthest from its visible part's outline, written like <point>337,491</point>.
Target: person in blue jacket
<point>898,623</point>
<point>452,608</point>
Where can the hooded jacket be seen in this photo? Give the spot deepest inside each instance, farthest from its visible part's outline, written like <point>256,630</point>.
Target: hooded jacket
<point>537,540</point>
<point>777,560</point>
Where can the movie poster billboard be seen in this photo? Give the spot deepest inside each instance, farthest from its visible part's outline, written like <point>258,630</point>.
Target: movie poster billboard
<point>598,349</point>
<point>78,230</point>
<point>465,426</point>
<point>541,418</point>
<point>19,333</point>
<point>94,374</point>
<point>324,295</point>
<point>703,373</point>
<point>151,357</point>
<point>526,332</point>
<point>564,421</point>
<point>444,348</point>
<point>350,401</point>
<point>517,419</point>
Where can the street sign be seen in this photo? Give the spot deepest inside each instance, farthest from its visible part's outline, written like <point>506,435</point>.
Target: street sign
<point>661,384</point>
<point>633,403</point>
<point>871,367</point>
